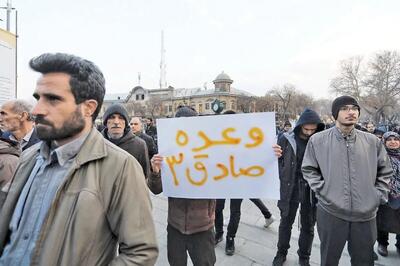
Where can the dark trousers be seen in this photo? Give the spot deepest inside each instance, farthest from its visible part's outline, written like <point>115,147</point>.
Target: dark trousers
<point>334,233</point>
<point>200,247</point>
<point>234,216</point>
<point>307,221</point>
<point>383,238</point>
<point>264,210</point>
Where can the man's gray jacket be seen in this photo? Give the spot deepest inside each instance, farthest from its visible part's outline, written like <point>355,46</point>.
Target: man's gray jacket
<point>350,175</point>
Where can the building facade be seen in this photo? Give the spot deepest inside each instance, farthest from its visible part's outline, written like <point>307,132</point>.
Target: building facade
<point>164,102</point>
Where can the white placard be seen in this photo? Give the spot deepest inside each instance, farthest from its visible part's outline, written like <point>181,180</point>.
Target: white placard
<point>220,156</point>
<point>7,66</point>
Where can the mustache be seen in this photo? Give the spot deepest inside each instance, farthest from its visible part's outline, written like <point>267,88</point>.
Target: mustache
<point>39,119</point>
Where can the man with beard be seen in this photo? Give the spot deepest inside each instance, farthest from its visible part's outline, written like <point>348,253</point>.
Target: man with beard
<point>75,198</point>
<point>137,129</point>
<point>119,132</point>
<point>294,189</point>
<point>17,120</point>
<point>349,171</point>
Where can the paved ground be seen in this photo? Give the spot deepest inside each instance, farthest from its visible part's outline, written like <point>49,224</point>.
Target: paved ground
<point>254,244</point>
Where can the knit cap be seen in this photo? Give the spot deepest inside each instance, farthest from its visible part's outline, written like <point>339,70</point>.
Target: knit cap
<point>342,101</point>
<point>185,111</point>
<point>116,108</point>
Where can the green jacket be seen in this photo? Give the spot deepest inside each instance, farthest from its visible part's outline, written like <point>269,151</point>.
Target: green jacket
<point>102,203</point>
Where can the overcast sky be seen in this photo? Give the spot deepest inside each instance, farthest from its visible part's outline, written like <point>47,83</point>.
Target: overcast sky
<point>258,43</point>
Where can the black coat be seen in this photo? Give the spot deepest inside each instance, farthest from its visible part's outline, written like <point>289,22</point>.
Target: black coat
<point>151,145</point>
<point>135,146</point>
<point>288,163</point>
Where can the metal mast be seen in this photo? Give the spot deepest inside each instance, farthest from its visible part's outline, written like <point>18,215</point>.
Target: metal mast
<point>163,66</point>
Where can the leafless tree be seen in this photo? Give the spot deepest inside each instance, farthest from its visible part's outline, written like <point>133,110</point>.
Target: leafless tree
<point>376,83</point>
<point>284,94</point>
<point>266,103</point>
<point>383,83</point>
<point>299,102</point>
<point>350,78</point>
<point>245,104</point>
<point>154,106</point>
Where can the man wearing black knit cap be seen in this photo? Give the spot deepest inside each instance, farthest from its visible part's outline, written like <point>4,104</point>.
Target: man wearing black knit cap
<point>119,132</point>
<point>349,172</point>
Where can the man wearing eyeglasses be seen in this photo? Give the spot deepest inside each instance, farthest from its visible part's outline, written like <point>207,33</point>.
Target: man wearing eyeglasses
<point>349,171</point>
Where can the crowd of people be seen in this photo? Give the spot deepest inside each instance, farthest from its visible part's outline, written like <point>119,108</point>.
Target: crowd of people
<point>76,194</point>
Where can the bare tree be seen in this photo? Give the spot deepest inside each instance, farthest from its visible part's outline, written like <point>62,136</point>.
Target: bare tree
<point>350,78</point>
<point>154,106</point>
<point>376,84</point>
<point>245,104</point>
<point>139,110</point>
<point>383,83</point>
<point>284,95</point>
<point>300,101</point>
<point>266,103</point>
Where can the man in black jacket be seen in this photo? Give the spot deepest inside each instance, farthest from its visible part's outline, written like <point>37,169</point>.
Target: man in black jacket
<point>137,129</point>
<point>119,132</point>
<point>294,189</point>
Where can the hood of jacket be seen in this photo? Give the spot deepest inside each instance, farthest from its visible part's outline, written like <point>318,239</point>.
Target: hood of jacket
<point>9,147</point>
<point>309,117</point>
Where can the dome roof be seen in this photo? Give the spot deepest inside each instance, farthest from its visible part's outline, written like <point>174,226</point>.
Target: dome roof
<point>223,77</point>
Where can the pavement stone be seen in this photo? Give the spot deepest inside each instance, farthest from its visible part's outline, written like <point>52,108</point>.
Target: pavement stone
<point>255,245</point>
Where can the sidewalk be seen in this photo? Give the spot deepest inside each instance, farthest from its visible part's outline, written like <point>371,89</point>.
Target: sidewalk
<point>255,245</point>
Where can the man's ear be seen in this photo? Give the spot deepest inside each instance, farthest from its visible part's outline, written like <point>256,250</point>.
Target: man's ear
<point>24,116</point>
<point>89,107</point>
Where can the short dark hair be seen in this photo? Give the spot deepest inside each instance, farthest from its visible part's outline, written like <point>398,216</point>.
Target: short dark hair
<point>87,82</point>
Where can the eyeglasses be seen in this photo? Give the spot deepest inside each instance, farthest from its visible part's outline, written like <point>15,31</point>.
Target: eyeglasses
<point>347,108</point>
<point>133,124</point>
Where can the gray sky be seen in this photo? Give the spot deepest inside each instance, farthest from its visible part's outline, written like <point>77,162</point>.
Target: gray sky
<point>259,43</point>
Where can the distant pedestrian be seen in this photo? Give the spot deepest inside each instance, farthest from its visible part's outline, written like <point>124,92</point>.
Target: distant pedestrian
<point>137,129</point>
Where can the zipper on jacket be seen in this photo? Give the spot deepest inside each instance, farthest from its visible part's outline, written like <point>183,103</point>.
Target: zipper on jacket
<point>348,168</point>
<point>186,214</point>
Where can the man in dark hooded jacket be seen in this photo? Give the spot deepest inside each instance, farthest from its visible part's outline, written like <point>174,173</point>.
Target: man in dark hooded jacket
<point>119,132</point>
<point>294,189</point>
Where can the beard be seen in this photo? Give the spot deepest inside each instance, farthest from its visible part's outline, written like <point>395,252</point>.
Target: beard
<point>46,130</point>
<point>115,135</point>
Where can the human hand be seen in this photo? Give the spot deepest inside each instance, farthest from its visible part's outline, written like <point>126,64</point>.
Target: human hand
<point>156,163</point>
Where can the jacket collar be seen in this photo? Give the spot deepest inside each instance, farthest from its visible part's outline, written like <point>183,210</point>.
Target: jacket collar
<point>93,148</point>
<point>340,136</point>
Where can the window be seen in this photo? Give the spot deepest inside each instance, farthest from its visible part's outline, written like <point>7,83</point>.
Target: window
<point>170,108</point>
<point>137,97</point>
<point>200,107</point>
<point>207,106</point>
